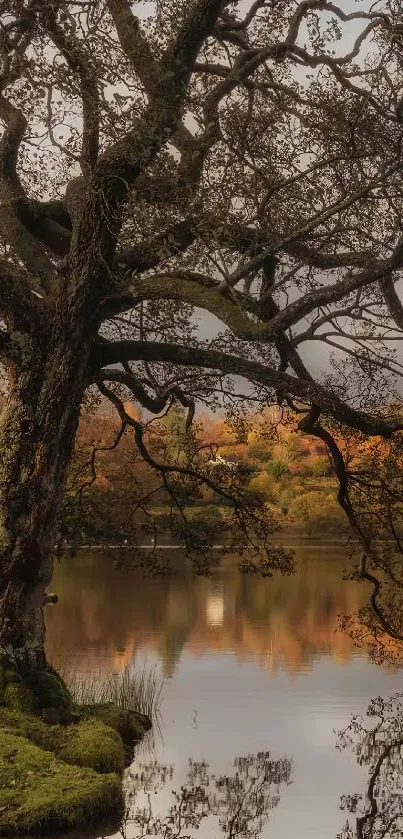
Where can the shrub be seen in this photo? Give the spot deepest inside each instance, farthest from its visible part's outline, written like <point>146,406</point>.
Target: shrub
<point>315,511</point>
<point>264,484</point>
<point>278,468</point>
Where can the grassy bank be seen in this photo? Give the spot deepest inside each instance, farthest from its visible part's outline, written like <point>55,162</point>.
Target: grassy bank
<point>61,761</point>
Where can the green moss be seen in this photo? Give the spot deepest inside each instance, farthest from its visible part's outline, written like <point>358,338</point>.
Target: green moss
<point>27,725</point>
<point>54,777</point>
<point>12,677</point>
<point>48,690</point>
<point>18,697</point>
<point>93,744</point>
<point>129,724</point>
<point>38,791</point>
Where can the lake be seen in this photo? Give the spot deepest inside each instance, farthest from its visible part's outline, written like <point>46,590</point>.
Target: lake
<point>252,666</point>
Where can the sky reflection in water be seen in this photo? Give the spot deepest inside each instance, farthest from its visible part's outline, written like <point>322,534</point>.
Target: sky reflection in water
<point>252,667</point>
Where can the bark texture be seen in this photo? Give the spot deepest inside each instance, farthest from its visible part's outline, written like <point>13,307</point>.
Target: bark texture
<point>37,433</point>
<point>150,189</point>
<point>51,310</point>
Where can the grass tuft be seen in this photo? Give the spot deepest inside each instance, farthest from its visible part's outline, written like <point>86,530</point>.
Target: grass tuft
<point>138,689</point>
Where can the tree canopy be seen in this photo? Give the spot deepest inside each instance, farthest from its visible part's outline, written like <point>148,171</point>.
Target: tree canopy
<point>239,165</point>
<point>197,196</point>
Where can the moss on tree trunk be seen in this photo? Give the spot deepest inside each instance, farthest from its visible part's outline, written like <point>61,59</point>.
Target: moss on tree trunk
<point>37,431</point>
<point>60,766</point>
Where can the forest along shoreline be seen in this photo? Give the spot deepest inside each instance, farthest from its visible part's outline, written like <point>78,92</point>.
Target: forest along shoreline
<point>290,472</point>
<point>292,539</point>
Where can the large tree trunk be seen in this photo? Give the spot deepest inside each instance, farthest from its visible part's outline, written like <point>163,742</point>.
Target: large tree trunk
<point>37,431</point>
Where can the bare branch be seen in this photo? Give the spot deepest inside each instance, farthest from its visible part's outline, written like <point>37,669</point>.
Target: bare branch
<point>120,351</point>
<point>330,294</point>
<point>174,240</point>
<point>124,161</point>
<point>241,238</point>
<point>134,44</point>
<point>302,9</point>
<point>81,67</point>
<point>27,248</point>
<point>162,468</point>
<point>392,299</point>
<point>201,294</point>
<point>155,405</point>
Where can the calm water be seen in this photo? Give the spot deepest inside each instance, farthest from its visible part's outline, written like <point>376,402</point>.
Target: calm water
<point>250,666</point>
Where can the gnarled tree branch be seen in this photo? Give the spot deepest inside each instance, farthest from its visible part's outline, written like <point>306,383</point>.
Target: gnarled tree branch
<point>121,351</point>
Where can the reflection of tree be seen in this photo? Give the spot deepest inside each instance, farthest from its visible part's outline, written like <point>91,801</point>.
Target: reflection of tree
<point>280,622</point>
<point>377,742</point>
<point>240,803</point>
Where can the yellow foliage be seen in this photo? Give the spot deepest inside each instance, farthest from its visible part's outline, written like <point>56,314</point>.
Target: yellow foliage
<point>264,484</point>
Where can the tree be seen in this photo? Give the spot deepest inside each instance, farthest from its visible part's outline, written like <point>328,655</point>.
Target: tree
<point>211,157</point>
<point>239,805</point>
<point>377,744</point>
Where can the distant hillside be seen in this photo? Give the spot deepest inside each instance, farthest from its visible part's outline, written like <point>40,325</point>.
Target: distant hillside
<point>112,492</point>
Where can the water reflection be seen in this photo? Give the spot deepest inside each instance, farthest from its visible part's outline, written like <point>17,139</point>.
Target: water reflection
<point>377,742</point>
<point>232,647</point>
<point>282,622</point>
<point>238,804</point>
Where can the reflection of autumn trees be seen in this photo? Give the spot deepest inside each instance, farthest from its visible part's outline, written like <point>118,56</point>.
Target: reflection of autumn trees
<point>279,622</point>
<point>239,804</point>
<point>377,743</point>
<point>286,474</point>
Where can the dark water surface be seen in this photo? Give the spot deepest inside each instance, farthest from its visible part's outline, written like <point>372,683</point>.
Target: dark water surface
<point>250,665</point>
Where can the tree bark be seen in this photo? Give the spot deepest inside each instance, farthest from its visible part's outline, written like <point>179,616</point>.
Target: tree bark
<point>37,432</point>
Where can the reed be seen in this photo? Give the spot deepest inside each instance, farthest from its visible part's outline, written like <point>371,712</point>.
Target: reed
<point>137,688</point>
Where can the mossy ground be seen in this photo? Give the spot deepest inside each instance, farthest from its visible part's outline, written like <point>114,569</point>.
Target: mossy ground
<point>93,744</point>
<point>39,792</point>
<point>54,777</point>
<point>130,725</point>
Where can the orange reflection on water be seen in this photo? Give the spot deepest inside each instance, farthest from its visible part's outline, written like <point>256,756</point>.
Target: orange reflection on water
<point>105,617</point>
